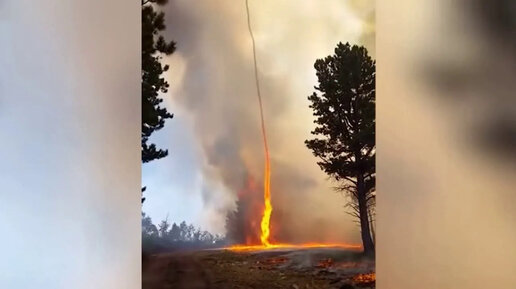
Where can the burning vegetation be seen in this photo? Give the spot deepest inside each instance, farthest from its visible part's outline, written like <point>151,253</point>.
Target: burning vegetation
<point>365,280</point>
<point>243,230</point>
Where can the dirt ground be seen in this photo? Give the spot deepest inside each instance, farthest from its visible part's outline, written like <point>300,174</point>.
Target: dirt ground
<point>224,269</point>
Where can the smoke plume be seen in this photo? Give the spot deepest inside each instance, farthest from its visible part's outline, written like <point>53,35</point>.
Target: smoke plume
<point>212,81</point>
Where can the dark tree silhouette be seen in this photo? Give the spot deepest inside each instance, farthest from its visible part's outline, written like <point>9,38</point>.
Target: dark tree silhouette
<point>165,237</point>
<point>242,226</point>
<point>148,227</point>
<point>344,111</point>
<point>236,224</point>
<point>154,46</point>
<point>143,191</point>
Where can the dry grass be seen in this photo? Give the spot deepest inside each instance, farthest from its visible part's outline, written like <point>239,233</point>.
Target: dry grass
<point>222,269</point>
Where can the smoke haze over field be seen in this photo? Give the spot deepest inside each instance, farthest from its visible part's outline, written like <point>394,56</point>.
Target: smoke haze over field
<point>213,95</point>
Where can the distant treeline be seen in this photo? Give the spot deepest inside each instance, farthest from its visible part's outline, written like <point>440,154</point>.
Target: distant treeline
<point>168,237</point>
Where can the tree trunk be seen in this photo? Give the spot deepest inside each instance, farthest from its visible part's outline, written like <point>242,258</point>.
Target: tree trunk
<point>367,242</point>
<point>371,224</point>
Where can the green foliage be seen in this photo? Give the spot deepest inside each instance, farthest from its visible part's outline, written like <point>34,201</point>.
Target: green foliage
<point>154,46</point>
<point>345,113</point>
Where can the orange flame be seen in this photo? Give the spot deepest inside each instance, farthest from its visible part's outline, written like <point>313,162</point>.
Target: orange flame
<point>267,211</point>
<point>365,278</point>
<point>295,246</point>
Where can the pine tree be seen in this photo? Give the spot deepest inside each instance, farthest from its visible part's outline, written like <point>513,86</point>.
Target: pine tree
<point>154,46</point>
<point>344,110</point>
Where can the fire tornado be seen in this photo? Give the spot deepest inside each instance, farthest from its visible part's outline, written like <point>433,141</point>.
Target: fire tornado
<point>266,217</point>
<point>265,224</point>
<point>267,210</point>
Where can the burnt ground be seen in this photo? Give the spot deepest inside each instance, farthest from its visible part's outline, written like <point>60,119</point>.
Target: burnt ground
<point>293,269</point>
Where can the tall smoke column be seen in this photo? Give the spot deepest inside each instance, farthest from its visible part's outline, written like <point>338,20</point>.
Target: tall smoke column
<point>265,224</point>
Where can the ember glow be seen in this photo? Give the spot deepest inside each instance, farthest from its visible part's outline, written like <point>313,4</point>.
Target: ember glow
<point>295,246</point>
<point>365,279</point>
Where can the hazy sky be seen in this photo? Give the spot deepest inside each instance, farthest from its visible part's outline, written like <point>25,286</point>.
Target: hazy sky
<point>214,138</point>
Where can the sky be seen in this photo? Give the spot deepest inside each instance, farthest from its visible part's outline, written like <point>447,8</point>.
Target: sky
<point>214,139</point>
